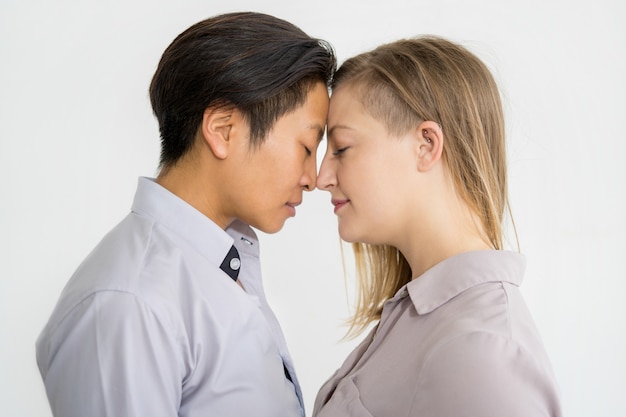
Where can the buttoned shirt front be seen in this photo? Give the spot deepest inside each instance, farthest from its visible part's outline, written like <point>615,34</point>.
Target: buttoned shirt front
<point>456,341</point>
<point>149,325</point>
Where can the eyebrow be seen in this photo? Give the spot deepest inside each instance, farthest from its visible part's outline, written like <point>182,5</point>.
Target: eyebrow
<point>335,127</point>
<point>320,131</point>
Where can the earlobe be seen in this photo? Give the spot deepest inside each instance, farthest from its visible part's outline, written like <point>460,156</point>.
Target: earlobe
<point>430,143</point>
<point>216,130</point>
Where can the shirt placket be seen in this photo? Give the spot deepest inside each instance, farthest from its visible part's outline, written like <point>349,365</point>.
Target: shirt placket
<point>390,311</point>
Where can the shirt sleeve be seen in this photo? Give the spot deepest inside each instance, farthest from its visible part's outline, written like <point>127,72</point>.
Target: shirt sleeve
<point>482,374</point>
<point>111,356</point>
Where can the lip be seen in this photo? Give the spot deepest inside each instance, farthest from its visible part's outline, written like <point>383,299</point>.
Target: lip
<point>339,203</point>
<point>292,207</point>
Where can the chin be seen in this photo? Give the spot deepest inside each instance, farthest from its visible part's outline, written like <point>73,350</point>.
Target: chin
<point>268,227</point>
<point>348,235</point>
<point>265,222</point>
<point>352,235</point>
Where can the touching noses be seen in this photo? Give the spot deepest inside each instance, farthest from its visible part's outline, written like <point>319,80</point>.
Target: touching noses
<point>326,177</point>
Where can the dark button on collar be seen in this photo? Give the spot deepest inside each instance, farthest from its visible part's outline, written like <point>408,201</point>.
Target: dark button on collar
<point>231,263</point>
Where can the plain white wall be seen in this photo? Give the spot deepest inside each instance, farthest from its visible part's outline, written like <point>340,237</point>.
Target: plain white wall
<point>76,130</point>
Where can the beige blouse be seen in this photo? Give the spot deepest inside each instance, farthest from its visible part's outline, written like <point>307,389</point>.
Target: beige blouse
<point>457,341</point>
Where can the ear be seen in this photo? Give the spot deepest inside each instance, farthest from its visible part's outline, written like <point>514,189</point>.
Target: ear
<point>430,145</point>
<point>217,129</point>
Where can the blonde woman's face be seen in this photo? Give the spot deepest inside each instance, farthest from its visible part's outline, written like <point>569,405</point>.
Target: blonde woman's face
<point>366,171</point>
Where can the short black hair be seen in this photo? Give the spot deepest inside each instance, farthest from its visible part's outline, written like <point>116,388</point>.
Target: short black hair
<point>260,64</point>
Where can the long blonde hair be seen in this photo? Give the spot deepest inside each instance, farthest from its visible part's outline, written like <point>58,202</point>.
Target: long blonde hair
<point>402,84</point>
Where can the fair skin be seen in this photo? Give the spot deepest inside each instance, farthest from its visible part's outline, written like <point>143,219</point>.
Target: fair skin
<point>225,178</point>
<point>394,189</point>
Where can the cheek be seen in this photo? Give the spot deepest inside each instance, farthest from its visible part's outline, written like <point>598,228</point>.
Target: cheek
<point>275,168</point>
<point>286,161</point>
<point>376,197</point>
<point>278,179</point>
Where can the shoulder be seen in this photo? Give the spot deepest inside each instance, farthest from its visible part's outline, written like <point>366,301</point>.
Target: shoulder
<point>114,279</point>
<point>107,322</point>
<point>487,374</point>
<point>113,349</point>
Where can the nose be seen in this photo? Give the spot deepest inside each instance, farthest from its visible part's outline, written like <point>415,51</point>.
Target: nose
<point>309,177</point>
<point>327,178</point>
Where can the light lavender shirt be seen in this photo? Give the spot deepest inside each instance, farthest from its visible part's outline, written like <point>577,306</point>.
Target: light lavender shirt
<point>457,341</point>
<point>149,325</point>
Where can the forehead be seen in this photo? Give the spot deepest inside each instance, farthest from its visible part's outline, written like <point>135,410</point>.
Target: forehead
<point>310,117</point>
<point>344,102</point>
<point>346,110</point>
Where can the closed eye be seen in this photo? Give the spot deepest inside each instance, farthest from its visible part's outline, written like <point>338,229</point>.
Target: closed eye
<point>340,151</point>
<point>308,151</point>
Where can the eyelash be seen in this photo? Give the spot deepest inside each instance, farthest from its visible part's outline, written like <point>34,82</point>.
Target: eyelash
<point>340,151</point>
<point>308,151</point>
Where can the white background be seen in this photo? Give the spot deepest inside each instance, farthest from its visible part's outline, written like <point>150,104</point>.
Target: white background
<point>76,130</point>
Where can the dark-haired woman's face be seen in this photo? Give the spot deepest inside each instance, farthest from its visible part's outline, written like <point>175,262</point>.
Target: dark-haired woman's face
<point>273,176</point>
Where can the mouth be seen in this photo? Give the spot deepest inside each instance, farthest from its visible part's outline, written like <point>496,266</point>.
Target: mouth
<point>291,206</point>
<point>339,203</point>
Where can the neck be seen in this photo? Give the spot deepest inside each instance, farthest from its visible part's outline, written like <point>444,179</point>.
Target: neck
<point>188,181</point>
<point>448,227</point>
<point>425,254</point>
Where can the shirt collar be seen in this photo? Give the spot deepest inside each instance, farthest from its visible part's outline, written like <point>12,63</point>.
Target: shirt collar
<point>458,273</point>
<point>179,217</point>
<point>245,240</point>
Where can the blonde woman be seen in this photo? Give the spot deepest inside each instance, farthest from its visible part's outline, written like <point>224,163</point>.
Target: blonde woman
<point>417,172</point>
